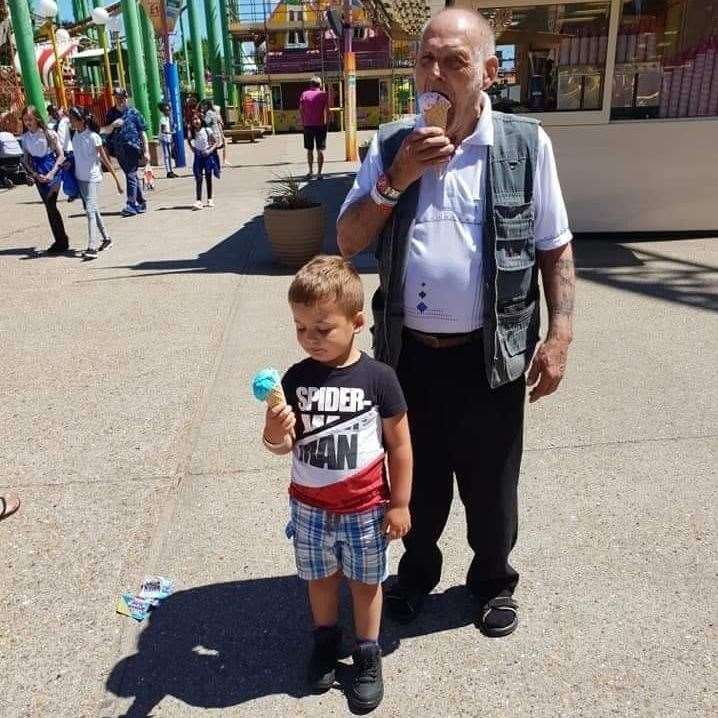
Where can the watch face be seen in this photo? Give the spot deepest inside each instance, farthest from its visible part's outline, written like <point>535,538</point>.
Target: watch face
<point>385,188</point>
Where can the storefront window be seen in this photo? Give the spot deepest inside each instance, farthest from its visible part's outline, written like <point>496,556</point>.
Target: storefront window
<point>666,60</point>
<point>552,57</point>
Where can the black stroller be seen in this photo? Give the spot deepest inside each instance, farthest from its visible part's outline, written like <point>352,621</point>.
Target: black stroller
<point>12,172</point>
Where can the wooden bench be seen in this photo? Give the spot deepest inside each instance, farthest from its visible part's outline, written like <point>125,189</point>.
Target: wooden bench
<point>237,134</point>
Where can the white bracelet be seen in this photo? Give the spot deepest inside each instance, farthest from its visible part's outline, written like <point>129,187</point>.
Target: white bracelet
<point>380,199</point>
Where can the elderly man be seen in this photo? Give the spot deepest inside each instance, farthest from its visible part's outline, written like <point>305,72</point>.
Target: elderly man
<point>464,220</point>
<point>129,143</point>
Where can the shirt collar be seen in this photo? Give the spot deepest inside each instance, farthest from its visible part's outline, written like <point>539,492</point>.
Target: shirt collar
<point>483,133</point>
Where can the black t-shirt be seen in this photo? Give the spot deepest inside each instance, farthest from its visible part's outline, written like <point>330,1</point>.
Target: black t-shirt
<point>338,461</point>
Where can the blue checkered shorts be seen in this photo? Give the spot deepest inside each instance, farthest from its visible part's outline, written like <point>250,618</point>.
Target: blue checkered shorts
<point>325,542</point>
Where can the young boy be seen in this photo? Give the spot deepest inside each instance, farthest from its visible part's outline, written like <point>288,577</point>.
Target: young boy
<point>345,422</point>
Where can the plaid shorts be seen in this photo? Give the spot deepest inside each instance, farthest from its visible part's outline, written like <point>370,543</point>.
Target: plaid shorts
<point>325,542</point>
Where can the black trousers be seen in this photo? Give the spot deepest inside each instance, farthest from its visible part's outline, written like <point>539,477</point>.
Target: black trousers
<point>198,184</point>
<point>460,426</point>
<point>55,218</point>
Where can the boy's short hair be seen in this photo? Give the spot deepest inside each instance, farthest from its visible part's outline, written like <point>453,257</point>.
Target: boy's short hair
<point>328,279</point>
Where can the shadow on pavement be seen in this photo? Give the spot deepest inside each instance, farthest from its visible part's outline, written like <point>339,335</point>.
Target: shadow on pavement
<point>647,272</point>
<point>247,251</point>
<point>224,644</point>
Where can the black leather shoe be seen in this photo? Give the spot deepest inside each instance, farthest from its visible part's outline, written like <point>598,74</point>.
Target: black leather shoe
<point>367,688</point>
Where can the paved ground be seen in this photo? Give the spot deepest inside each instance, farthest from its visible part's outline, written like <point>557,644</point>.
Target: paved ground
<point>129,430</point>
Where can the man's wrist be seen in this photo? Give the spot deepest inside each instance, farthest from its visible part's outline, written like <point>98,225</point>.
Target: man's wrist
<point>395,181</point>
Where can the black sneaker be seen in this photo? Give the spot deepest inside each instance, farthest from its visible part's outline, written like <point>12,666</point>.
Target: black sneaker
<point>106,244</point>
<point>89,254</point>
<point>322,664</point>
<point>367,688</point>
<point>171,175</point>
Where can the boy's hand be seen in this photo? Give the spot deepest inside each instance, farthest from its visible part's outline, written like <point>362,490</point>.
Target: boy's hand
<point>397,523</point>
<point>279,422</point>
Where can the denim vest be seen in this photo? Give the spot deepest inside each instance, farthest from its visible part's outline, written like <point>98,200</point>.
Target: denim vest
<point>510,275</point>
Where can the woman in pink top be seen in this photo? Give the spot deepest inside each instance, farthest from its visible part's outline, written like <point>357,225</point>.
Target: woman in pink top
<point>313,109</point>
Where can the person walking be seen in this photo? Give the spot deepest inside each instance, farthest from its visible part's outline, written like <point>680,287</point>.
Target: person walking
<point>467,218</point>
<point>89,153</point>
<point>43,158</point>
<point>60,123</point>
<point>128,140</point>
<point>166,138</point>
<point>202,142</point>
<point>314,114</point>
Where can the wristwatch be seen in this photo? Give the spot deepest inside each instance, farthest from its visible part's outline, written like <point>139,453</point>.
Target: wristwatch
<point>386,190</point>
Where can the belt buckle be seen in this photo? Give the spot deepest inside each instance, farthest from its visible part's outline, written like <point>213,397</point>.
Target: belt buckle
<point>434,341</point>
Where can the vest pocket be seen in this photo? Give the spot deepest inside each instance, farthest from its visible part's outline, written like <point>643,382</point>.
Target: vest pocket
<point>515,248</point>
<point>516,330</point>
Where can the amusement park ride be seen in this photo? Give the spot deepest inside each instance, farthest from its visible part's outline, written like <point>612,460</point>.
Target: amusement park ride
<point>259,52</point>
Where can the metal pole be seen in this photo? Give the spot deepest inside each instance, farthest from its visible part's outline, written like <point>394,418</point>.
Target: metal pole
<point>59,79</point>
<point>154,84</point>
<point>102,34</point>
<point>25,42</point>
<point>120,62</point>
<point>138,74</point>
<point>228,53</point>
<point>197,57</point>
<point>215,54</point>
<point>350,86</point>
<point>184,48</point>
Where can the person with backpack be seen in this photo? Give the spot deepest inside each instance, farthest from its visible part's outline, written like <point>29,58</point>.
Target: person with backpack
<point>128,142</point>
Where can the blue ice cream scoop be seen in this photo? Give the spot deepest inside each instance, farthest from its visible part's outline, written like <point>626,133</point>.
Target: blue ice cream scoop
<point>264,382</point>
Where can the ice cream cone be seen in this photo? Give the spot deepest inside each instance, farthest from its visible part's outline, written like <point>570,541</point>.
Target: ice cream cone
<point>435,108</point>
<point>276,397</point>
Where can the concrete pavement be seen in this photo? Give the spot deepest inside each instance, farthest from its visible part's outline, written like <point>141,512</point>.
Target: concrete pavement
<point>130,433</point>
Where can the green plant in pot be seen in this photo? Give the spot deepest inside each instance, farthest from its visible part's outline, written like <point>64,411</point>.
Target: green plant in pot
<point>294,223</point>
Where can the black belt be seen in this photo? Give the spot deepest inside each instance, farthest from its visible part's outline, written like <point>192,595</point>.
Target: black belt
<point>444,341</point>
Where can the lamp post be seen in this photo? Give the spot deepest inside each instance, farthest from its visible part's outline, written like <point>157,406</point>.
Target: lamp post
<point>47,9</point>
<point>114,26</point>
<point>101,17</point>
<point>350,87</point>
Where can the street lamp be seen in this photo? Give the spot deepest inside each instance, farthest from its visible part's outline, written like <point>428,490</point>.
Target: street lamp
<point>47,9</point>
<point>114,26</point>
<point>101,17</point>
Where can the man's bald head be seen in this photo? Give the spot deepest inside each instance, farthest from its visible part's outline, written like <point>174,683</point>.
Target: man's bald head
<point>469,23</point>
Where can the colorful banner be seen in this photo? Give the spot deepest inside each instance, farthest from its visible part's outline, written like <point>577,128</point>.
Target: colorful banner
<point>155,10</point>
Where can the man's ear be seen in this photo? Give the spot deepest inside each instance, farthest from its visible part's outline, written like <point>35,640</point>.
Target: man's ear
<point>359,322</point>
<point>491,71</point>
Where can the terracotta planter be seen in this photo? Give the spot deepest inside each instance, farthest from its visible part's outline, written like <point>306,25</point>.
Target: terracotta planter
<point>295,235</point>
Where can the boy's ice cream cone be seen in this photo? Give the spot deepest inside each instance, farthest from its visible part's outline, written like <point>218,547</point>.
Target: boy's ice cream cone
<point>276,397</point>
<point>267,386</point>
<point>435,108</point>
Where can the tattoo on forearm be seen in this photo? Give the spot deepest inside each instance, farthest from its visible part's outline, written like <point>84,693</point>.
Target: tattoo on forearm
<point>561,298</point>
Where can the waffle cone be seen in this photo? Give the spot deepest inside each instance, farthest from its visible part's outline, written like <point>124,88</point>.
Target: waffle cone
<point>276,397</point>
<point>437,115</point>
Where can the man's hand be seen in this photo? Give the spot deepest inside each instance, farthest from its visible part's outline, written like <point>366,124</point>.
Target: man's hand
<point>279,423</point>
<point>117,123</point>
<point>425,147</point>
<point>397,523</point>
<point>547,368</point>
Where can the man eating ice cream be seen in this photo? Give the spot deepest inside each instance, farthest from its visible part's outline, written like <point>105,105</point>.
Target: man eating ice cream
<point>466,209</point>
